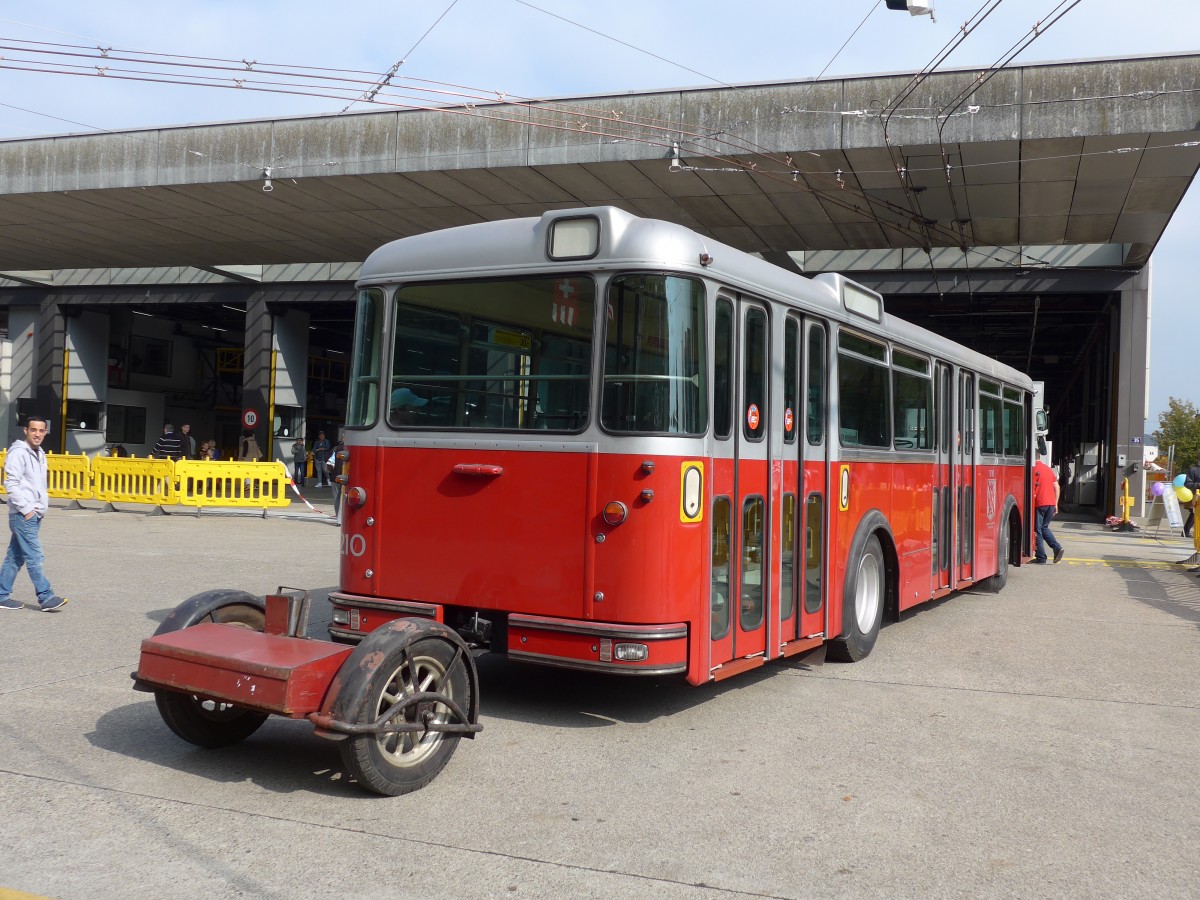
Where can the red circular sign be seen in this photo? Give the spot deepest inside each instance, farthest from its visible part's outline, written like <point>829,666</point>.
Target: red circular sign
<point>752,417</point>
<point>250,418</point>
<point>788,420</point>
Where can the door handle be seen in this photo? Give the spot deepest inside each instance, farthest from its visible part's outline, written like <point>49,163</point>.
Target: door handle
<point>478,469</point>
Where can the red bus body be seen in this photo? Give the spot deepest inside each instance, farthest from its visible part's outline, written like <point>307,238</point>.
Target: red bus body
<point>597,548</point>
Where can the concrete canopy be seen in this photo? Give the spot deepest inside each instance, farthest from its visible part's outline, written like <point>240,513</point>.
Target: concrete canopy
<point>1094,153</point>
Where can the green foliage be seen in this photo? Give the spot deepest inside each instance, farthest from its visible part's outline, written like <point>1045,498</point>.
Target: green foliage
<point>1179,425</point>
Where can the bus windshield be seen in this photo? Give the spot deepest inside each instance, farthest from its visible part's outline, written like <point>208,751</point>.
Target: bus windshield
<point>501,355</point>
<point>654,356</point>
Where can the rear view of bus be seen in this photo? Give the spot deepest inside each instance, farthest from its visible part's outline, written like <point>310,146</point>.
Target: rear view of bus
<point>525,438</point>
<point>608,443</point>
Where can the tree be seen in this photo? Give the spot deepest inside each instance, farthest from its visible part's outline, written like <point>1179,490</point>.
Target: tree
<point>1180,425</point>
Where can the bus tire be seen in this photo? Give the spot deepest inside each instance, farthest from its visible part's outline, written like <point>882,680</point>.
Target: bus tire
<point>402,762</point>
<point>862,604</point>
<point>995,584</point>
<point>209,723</point>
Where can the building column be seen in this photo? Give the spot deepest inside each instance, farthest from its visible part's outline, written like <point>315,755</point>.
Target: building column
<point>1132,401</point>
<point>256,367</point>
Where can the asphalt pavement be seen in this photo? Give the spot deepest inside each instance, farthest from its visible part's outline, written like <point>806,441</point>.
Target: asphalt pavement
<point>1040,742</point>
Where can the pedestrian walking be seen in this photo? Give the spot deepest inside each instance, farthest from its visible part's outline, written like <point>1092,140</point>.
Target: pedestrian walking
<point>1045,501</point>
<point>25,479</point>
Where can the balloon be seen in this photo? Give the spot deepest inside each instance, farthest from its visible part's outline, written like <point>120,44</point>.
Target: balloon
<point>1157,488</point>
<point>1184,494</point>
<point>1180,479</point>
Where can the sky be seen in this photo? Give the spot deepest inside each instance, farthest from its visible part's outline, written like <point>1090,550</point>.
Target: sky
<point>565,48</point>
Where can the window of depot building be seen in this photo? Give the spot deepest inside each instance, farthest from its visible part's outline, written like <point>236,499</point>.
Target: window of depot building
<point>84,415</point>
<point>125,424</point>
<point>288,420</point>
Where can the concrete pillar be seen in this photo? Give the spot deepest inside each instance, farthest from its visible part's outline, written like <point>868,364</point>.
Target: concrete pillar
<point>256,367</point>
<point>1132,388</point>
<point>291,379</point>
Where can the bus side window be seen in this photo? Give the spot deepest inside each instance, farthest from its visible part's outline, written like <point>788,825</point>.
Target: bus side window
<point>723,374</point>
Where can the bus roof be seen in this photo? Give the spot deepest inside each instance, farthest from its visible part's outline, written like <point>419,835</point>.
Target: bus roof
<point>509,246</point>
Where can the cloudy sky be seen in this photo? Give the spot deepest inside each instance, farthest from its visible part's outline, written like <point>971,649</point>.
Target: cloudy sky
<point>562,48</point>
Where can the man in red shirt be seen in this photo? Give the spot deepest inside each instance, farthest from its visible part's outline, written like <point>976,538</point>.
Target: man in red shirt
<point>1045,501</point>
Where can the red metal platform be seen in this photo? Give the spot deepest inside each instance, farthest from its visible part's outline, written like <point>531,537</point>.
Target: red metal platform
<point>268,672</point>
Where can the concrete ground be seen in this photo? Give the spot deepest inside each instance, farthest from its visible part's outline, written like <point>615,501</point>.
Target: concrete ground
<point>1041,742</point>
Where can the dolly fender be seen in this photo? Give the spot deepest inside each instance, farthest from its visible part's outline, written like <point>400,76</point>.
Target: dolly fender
<point>348,684</point>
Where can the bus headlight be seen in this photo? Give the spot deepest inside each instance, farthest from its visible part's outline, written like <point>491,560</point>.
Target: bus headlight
<point>631,652</point>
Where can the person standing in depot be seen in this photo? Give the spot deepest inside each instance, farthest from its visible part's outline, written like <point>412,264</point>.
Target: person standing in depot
<point>1045,501</point>
<point>25,479</point>
<point>188,442</point>
<point>299,458</point>
<point>248,448</point>
<point>169,444</point>
<point>321,449</point>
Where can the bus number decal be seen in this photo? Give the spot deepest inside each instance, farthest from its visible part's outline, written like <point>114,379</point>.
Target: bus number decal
<point>353,545</point>
<point>844,489</point>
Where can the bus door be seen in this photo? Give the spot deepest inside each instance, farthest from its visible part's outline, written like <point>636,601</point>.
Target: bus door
<point>944,481</point>
<point>741,482</point>
<point>812,508</point>
<point>964,477</point>
<point>790,556</point>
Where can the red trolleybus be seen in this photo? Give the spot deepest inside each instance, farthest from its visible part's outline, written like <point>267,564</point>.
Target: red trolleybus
<point>608,443</point>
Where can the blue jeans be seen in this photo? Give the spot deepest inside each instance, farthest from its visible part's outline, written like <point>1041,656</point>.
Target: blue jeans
<point>24,549</point>
<point>1044,535</point>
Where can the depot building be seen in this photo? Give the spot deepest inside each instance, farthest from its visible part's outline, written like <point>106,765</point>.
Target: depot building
<point>205,273</point>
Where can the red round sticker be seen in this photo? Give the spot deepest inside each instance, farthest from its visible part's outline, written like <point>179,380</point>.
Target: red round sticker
<point>788,420</point>
<point>752,417</point>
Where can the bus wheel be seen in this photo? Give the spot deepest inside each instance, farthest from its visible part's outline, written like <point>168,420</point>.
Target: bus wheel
<point>862,610</point>
<point>400,762</point>
<point>209,723</point>
<point>996,583</point>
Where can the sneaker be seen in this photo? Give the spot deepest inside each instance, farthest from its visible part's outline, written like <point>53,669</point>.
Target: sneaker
<point>1058,554</point>
<point>11,604</point>
<point>1039,561</point>
<point>54,603</point>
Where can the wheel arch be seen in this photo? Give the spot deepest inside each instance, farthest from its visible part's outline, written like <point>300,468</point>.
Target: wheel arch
<point>204,604</point>
<point>348,684</point>
<point>873,523</point>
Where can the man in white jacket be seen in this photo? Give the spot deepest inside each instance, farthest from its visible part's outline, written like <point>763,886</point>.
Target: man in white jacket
<point>25,481</point>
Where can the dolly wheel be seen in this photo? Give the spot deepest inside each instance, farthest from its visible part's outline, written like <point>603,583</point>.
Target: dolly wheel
<point>210,723</point>
<point>206,723</point>
<point>400,762</point>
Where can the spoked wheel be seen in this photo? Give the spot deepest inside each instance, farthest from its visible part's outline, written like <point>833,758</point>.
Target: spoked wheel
<point>408,689</point>
<point>863,609</point>
<point>210,723</point>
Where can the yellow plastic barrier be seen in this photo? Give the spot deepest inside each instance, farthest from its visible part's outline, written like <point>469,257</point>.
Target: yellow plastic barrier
<point>68,477</point>
<point>117,479</point>
<point>164,482</point>
<point>222,482</point>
